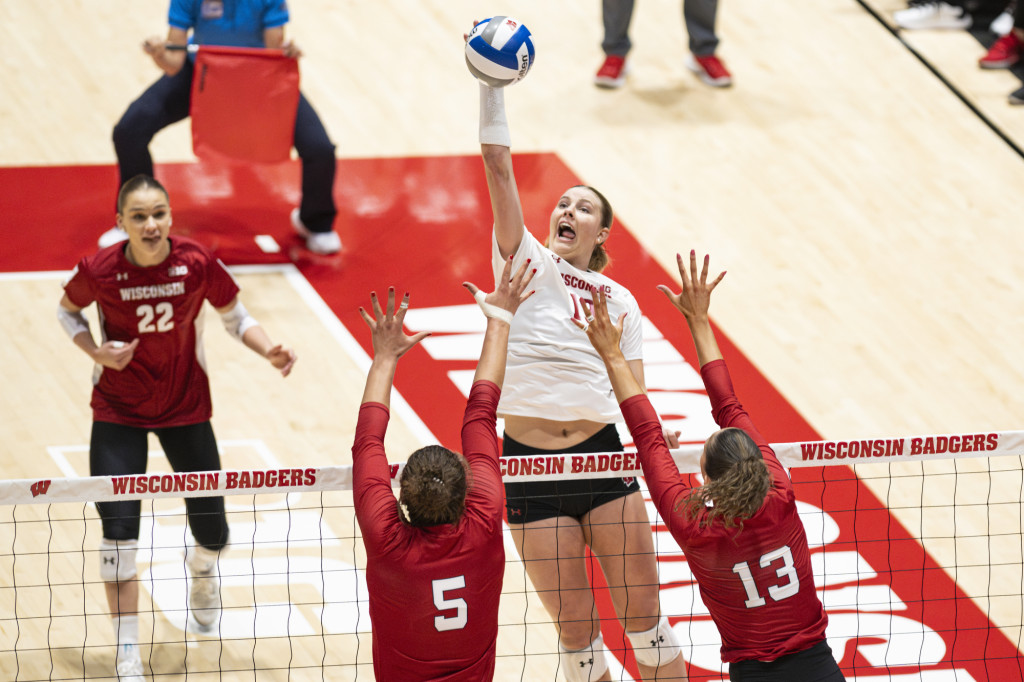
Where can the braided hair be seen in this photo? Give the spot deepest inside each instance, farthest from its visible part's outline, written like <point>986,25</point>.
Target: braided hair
<point>433,487</point>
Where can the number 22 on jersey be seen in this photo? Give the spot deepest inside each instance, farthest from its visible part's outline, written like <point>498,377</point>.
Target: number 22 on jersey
<point>779,591</point>
<point>155,319</point>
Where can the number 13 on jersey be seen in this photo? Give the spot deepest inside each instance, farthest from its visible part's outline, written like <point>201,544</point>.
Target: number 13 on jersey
<point>779,591</point>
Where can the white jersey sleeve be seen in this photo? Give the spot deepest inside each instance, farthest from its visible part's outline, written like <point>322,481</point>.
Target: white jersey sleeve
<point>553,372</point>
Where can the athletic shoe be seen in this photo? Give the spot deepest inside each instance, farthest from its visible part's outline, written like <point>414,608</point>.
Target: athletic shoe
<point>1003,54</point>
<point>204,598</point>
<point>1017,96</point>
<point>112,236</point>
<point>129,664</point>
<point>1002,24</point>
<point>612,73</point>
<point>710,69</point>
<point>324,243</point>
<point>932,14</point>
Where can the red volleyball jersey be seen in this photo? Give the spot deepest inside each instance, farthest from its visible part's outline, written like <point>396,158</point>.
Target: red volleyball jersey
<point>757,584</point>
<point>165,384</point>
<point>434,591</point>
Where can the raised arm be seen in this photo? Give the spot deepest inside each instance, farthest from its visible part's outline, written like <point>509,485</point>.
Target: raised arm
<point>495,143</point>
<point>499,307</point>
<point>389,344</point>
<point>693,302</point>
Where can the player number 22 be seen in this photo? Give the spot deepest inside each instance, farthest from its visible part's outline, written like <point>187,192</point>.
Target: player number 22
<point>459,620</point>
<point>776,592</point>
<point>163,314</point>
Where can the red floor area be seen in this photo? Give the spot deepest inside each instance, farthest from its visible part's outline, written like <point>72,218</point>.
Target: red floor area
<point>423,225</point>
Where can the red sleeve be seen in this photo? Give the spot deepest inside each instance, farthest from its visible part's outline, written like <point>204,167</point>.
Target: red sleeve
<point>660,471</point>
<point>221,287</point>
<point>729,413</point>
<point>79,286</point>
<point>480,447</point>
<point>371,476</point>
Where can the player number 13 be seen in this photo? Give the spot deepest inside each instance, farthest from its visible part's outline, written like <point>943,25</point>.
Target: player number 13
<point>459,620</point>
<point>777,592</point>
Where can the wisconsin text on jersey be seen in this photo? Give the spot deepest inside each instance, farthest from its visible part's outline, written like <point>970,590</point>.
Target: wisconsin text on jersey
<point>152,291</point>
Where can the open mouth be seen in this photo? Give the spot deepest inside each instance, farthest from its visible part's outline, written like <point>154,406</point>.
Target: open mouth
<point>565,232</point>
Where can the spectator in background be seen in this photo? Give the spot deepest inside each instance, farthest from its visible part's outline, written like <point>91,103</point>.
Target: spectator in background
<point>242,23</point>
<point>1006,51</point>
<point>699,16</point>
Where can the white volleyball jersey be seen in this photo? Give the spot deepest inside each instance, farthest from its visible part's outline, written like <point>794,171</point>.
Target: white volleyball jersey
<point>553,372</point>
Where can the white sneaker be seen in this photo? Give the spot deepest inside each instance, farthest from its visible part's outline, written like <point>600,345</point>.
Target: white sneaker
<point>932,14</point>
<point>129,664</point>
<point>204,598</point>
<point>112,236</point>
<point>324,243</point>
<point>1002,24</point>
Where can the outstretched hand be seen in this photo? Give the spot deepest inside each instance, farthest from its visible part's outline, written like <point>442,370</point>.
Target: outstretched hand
<point>603,335</point>
<point>389,340</point>
<point>695,298</point>
<point>511,290</point>
<point>282,359</point>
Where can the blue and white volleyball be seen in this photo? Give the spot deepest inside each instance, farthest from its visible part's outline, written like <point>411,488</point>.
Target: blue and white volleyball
<point>499,51</point>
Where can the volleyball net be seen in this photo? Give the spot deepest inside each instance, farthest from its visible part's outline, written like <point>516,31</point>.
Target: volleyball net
<point>916,545</point>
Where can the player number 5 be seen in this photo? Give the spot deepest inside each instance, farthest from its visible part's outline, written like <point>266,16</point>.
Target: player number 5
<point>777,592</point>
<point>459,620</point>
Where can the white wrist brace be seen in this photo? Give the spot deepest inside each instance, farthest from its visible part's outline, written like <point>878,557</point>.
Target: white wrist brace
<point>73,323</point>
<point>237,320</point>
<point>493,123</point>
<point>492,310</point>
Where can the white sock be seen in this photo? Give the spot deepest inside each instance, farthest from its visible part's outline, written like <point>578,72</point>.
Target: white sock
<point>127,630</point>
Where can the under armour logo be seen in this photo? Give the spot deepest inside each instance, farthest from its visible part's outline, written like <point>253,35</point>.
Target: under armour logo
<point>40,488</point>
<point>122,276</point>
<point>584,664</point>
<point>109,560</point>
<point>659,640</point>
<point>517,512</point>
<point>629,480</point>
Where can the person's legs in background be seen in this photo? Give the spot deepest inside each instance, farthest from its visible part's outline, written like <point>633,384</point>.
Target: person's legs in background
<point>699,16</point>
<point>314,218</point>
<point>616,15</point>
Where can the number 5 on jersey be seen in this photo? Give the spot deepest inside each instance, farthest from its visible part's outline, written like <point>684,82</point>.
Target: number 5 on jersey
<point>459,620</point>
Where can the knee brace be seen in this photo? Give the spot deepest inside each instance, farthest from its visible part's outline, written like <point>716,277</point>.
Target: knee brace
<point>589,663</point>
<point>655,647</point>
<point>117,560</point>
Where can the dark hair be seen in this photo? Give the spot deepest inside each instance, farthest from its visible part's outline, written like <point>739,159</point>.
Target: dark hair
<point>433,487</point>
<point>599,257</point>
<point>737,479</point>
<point>137,183</point>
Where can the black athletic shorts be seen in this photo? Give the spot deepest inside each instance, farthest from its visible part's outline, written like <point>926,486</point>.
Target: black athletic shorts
<point>119,450</point>
<point>810,665</point>
<point>534,501</point>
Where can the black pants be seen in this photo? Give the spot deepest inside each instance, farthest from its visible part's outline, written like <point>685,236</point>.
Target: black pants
<point>167,101</point>
<point>810,665</point>
<point>119,450</point>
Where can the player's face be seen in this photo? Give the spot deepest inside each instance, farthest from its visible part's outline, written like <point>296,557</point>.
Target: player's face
<point>146,217</point>
<point>576,226</point>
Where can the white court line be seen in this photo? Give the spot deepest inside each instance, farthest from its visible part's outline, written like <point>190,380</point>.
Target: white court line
<point>399,405</point>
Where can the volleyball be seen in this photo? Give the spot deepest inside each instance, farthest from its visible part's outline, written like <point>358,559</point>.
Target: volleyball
<point>499,51</point>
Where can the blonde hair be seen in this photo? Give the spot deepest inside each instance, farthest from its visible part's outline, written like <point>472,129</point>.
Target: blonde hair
<point>737,480</point>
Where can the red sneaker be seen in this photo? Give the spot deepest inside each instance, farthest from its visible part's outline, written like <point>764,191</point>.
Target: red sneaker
<point>612,73</point>
<point>1003,54</point>
<point>711,70</point>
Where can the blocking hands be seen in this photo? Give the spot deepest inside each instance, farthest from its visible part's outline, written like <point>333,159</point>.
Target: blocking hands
<point>389,340</point>
<point>695,298</point>
<point>509,294</point>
